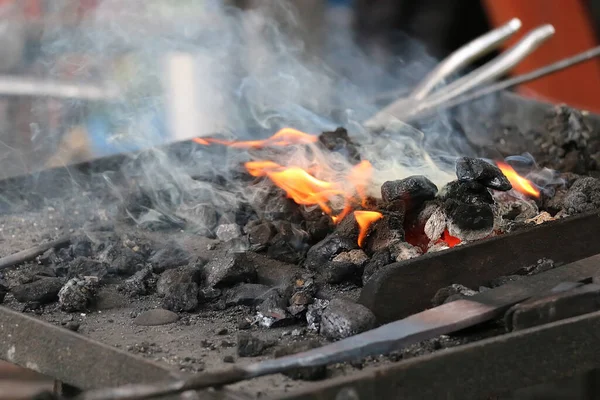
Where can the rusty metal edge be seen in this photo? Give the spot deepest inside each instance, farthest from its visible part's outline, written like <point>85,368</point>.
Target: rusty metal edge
<point>407,287</point>
<point>475,371</point>
<point>77,360</point>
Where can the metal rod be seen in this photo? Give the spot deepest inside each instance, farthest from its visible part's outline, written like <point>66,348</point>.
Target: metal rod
<point>30,254</point>
<point>20,86</point>
<point>473,50</point>
<point>493,69</point>
<point>518,80</point>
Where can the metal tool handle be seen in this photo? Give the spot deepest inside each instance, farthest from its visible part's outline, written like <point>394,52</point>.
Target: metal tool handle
<point>473,50</point>
<point>493,69</point>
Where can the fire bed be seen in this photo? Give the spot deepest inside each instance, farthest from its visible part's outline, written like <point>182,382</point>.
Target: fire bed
<point>222,304</point>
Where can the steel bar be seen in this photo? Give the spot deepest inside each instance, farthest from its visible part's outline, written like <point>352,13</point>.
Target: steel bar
<point>479,370</point>
<point>22,86</point>
<point>475,264</point>
<point>31,253</point>
<point>428,324</point>
<point>74,359</point>
<point>473,50</point>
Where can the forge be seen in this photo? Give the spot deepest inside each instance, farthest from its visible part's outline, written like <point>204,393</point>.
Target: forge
<point>297,243</point>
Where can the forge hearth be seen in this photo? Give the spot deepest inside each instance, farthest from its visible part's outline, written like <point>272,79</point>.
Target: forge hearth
<point>209,256</point>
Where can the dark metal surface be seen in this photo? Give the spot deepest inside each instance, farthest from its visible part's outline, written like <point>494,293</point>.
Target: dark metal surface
<point>571,303</point>
<point>479,370</point>
<point>407,287</point>
<point>75,359</point>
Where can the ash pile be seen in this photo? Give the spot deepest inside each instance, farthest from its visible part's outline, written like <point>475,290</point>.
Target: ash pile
<point>284,264</point>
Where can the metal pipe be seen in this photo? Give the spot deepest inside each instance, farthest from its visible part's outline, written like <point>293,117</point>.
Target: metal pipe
<point>20,86</point>
<point>473,50</point>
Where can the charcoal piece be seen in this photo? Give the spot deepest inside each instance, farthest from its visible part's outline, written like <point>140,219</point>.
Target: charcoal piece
<point>81,247</point>
<point>78,293</point>
<point>3,290</point>
<point>247,294</point>
<point>400,251</point>
<point>249,345</point>
<point>170,256</point>
<point>343,318</point>
<point>348,227</point>
<point>208,294</point>
<point>156,317</point>
<point>203,218</point>
<point>555,202</point>
<point>229,269</point>
<point>299,303</point>
<point>181,297</point>
<point>272,311</point>
<point>273,273</point>
<point>469,221</point>
<point>338,141</point>
<point>307,373</point>
<point>378,260</point>
<point>83,266</point>
<point>542,265</point>
<point>122,260</point>
<point>447,294</point>
<point>436,224</point>
<point>385,232</point>
<point>226,232</point>
<point>414,191</point>
<point>289,244</point>
<point>260,234</point>
<point>345,266</point>
<point>503,280</point>
<point>314,313</point>
<point>175,276</point>
<point>49,257</point>
<point>477,170</point>
<point>319,229</point>
<point>42,291</point>
<point>467,192</point>
<point>324,251</point>
<point>141,283</point>
<point>583,196</point>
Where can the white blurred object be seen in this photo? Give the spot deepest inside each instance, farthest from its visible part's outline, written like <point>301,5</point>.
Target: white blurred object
<point>13,31</point>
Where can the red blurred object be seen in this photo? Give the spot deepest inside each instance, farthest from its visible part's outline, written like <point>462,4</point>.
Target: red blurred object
<point>577,86</point>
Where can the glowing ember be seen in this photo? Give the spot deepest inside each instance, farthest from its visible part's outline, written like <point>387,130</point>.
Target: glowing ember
<point>364,220</point>
<point>518,183</point>
<point>450,240</point>
<point>284,137</point>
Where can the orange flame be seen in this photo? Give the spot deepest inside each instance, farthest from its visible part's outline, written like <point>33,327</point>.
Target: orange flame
<point>364,220</point>
<point>518,183</point>
<point>283,137</point>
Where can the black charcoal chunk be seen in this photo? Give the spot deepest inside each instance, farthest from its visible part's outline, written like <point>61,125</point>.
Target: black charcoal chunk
<point>450,293</point>
<point>260,233</point>
<point>3,290</point>
<point>181,297</point>
<point>378,260</point>
<point>385,232</point>
<point>249,345</point>
<point>83,266</point>
<point>82,247</point>
<point>272,311</point>
<point>338,141</point>
<point>414,191</point>
<point>469,221</point>
<point>477,170</point>
<point>171,277</point>
<point>142,283</point>
<point>227,232</point>
<point>467,192</point>
<point>345,266</point>
<point>307,373</point>
<point>324,251</point>
<point>156,317</point>
<point>319,229</point>
<point>228,270</point>
<point>542,265</point>
<point>78,293</point>
<point>247,294</point>
<point>343,318</point>
<point>583,196</point>
<point>170,256</point>
<point>314,313</point>
<point>44,290</point>
<point>123,260</point>
<point>204,219</point>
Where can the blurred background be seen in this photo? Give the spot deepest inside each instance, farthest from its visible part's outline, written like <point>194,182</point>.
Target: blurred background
<point>96,42</point>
